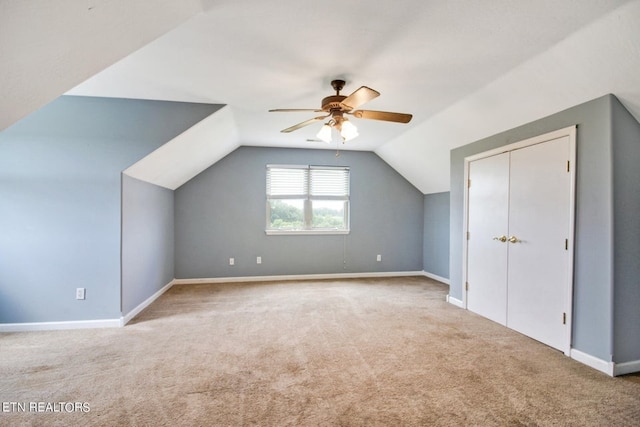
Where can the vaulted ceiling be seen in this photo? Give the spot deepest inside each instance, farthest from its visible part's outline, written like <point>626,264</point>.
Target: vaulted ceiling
<point>465,69</point>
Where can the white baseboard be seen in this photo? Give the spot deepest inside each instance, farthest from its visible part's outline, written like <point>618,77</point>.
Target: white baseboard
<point>115,323</point>
<point>454,301</point>
<point>592,361</point>
<point>83,324</point>
<point>626,368</point>
<point>50,326</point>
<point>436,277</point>
<point>133,313</point>
<point>296,277</point>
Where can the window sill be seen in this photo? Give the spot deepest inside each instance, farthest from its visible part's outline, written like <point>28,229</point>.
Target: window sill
<point>304,232</point>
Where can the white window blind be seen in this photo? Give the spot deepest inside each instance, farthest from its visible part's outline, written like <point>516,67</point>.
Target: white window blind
<point>329,182</point>
<point>287,182</point>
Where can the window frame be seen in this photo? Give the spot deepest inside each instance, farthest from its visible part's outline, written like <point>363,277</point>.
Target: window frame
<point>308,199</point>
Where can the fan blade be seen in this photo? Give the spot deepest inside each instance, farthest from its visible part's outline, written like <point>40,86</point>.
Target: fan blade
<point>359,97</point>
<point>382,115</point>
<point>303,124</point>
<point>293,110</point>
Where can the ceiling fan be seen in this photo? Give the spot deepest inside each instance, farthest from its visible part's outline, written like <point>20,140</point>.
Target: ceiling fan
<point>336,106</point>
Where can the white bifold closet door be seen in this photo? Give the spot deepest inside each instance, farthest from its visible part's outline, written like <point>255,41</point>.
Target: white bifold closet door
<point>488,228</point>
<point>518,263</point>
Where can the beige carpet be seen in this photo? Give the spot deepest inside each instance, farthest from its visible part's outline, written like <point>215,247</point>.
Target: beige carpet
<point>388,352</point>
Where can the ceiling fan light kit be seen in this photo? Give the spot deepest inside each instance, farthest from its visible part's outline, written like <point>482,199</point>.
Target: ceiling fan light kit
<point>347,130</point>
<point>336,106</point>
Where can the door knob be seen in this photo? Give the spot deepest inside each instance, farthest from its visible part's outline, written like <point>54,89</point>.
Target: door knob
<point>513,239</point>
<point>501,238</point>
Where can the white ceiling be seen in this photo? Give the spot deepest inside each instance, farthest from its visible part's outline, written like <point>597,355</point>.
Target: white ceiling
<point>465,69</point>
<point>189,153</point>
<point>48,47</point>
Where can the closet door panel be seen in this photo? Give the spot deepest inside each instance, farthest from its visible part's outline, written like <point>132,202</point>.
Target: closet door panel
<point>488,220</point>
<point>538,271</point>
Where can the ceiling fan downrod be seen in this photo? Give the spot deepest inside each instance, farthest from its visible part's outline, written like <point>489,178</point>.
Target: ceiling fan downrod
<point>337,85</point>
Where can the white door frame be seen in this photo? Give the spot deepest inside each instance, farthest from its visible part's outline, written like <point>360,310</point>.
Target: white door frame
<point>571,133</point>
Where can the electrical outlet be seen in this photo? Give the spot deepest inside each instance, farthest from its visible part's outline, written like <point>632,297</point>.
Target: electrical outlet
<point>379,258</point>
<point>80,292</point>
<point>259,260</point>
<point>232,261</point>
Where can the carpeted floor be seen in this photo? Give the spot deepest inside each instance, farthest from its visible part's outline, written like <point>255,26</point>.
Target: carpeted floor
<point>388,352</point>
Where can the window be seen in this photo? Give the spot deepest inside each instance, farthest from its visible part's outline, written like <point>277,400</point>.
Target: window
<point>307,199</point>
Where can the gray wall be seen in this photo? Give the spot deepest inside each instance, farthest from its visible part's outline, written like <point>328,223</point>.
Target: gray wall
<point>221,214</point>
<point>435,246</point>
<point>147,240</point>
<point>626,223</point>
<point>60,207</point>
<point>593,271</point>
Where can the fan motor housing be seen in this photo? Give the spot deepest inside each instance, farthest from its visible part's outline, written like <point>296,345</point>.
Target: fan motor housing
<point>333,102</point>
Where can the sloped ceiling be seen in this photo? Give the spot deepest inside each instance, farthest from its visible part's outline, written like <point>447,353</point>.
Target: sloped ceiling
<point>602,58</point>
<point>48,47</point>
<point>189,153</point>
<point>465,69</point>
